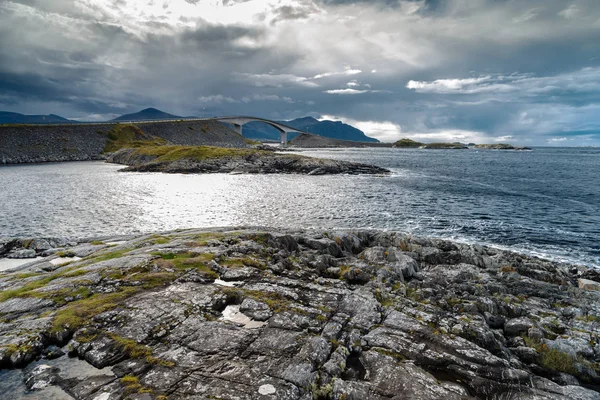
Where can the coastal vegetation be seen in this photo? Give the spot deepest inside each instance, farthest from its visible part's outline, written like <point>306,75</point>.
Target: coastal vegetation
<point>128,135</point>
<point>198,153</point>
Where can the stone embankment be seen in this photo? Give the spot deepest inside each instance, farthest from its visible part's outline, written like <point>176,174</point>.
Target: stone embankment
<point>247,161</point>
<point>80,142</point>
<point>254,314</point>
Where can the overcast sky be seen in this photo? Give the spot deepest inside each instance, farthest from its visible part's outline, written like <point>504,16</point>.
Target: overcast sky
<point>518,71</point>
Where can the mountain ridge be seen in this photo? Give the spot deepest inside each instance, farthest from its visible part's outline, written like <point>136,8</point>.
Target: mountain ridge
<point>149,113</point>
<point>251,130</point>
<point>7,117</point>
<point>326,128</point>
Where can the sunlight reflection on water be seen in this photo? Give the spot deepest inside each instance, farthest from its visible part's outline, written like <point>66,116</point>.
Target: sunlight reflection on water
<point>545,202</point>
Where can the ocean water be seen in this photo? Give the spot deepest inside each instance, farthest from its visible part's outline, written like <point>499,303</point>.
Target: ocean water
<point>544,202</point>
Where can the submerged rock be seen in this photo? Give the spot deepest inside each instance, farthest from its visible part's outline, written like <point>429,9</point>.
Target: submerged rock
<point>310,315</point>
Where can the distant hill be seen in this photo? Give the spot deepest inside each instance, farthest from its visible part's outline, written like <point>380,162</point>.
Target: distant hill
<point>16,118</point>
<point>330,129</point>
<point>147,114</point>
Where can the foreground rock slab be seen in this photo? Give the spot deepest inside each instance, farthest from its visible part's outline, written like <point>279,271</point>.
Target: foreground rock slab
<point>255,314</point>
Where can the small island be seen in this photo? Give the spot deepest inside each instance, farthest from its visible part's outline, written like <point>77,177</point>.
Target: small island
<point>500,146</point>
<point>141,152</point>
<point>406,143</point>
<point>409,143</point>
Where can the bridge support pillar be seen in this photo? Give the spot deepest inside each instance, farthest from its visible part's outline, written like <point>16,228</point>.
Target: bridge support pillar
<point>238,129</point>
<point>283,139</point>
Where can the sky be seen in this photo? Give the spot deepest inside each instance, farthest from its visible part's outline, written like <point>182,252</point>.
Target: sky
<point>525,72</point>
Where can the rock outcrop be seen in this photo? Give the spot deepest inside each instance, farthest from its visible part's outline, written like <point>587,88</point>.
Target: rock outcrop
<point>254,314</point>
<point>249,161</point>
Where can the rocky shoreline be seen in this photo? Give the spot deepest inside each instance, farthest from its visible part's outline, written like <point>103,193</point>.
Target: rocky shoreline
<point>248,161</point>
<point>269,314</point>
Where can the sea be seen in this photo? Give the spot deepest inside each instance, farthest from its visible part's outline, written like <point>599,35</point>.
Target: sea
<point>544,202</point>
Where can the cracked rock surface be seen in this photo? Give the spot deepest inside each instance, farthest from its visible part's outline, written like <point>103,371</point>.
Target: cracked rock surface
<point>310,315</point>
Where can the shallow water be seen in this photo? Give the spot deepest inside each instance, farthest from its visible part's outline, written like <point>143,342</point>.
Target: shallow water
<point>13,387</point>
<point>544,202</point>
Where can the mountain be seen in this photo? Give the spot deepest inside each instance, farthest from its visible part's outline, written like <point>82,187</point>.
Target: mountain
<point>147,114</point>
<point>16,118</point>
<point>330,129</point>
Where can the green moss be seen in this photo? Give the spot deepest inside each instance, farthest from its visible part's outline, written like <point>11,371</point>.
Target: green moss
<point>109,256</point>
<point>413,293</point>
<point>97,242</point>
<point>79,313</point>
<point>13,348</point>
<point>65,253</point>
<point>132,385</point>
<point>558,361</point>
<point>186,261</point>
<point>589,318</point>
<point>238,262</point>
<point>343,269</point>
<point>25,275</point>
<point>86,337</point>
<point>384,299</point>
<point>136,350</point>
<point>129,380</point>
<point>62,296</point>
<point>130,136</point>
<point>173,153</point>
<point>321,392</point>
<point>26,289</point>
<point>551,358</point>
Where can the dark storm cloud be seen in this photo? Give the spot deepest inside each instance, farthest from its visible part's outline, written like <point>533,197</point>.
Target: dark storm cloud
<point>480,69</point>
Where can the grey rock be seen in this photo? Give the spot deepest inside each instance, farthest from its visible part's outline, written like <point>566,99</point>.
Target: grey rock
<point>357,276</point>
<point>22,253</point>
<point>41,377</point>
<point>52,352</point>
<point>255,309</point>
<point>435,319</point>
<point>517,326</point>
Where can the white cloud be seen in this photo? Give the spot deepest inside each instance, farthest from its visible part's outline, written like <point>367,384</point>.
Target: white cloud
<point>352,83</point>
<point>216,99</point>
<point>557,139</point>
<point>503,138</point>
<point>266,97</point>
<point>584,80</point>
<point>448,135</point>
<point>571,12</point>
<point>447,85</point>
<point>385,131</point>
<point>346,91</point>
<point>275,80</point>
<point>347,72</point>
<point>527,16</point>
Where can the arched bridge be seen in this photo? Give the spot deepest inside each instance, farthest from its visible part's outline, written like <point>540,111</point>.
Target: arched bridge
<point>238,122</point>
